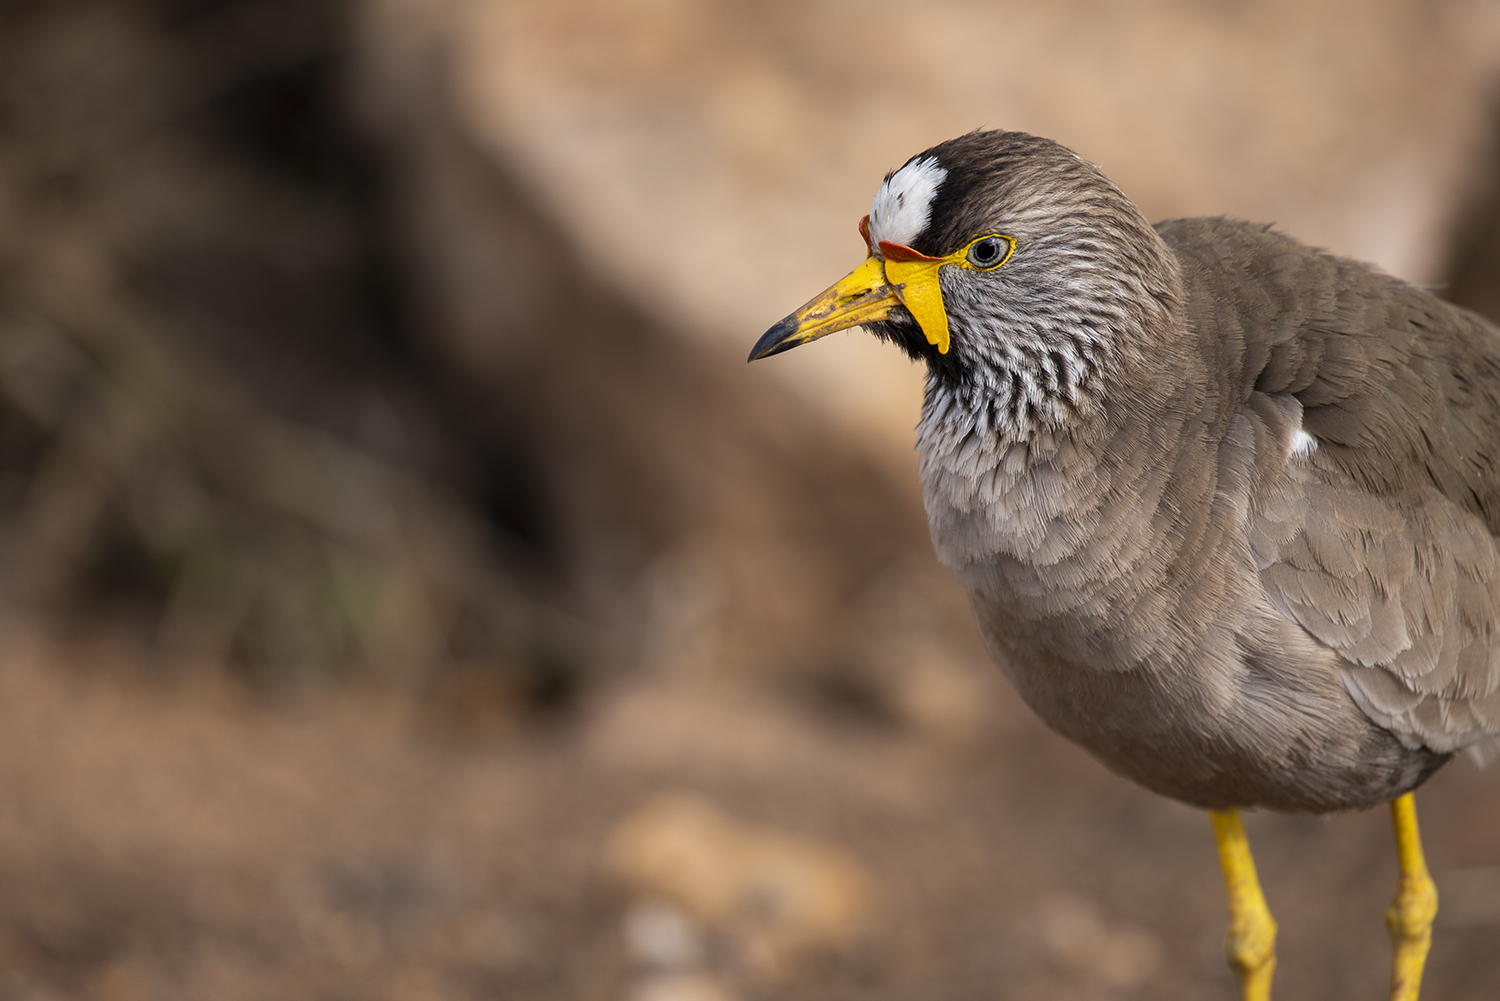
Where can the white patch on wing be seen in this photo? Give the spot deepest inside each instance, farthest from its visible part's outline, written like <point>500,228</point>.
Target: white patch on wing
<point>1303,444</point>
<point>903,205</point>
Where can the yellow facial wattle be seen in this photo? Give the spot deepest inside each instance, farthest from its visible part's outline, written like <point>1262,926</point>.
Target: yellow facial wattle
<point>914,276</point>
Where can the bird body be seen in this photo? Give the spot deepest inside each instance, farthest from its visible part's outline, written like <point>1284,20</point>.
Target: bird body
<point>1226,506</point>
<point>1199,584</point>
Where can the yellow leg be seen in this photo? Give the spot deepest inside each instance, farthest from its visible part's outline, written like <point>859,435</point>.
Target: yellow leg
<point>1251,943</point>
<point>1410,915</point>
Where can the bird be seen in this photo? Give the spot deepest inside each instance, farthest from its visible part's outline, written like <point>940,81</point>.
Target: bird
<point>1225,505</point>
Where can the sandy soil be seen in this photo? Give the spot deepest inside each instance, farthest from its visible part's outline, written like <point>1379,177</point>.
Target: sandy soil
<point>169,840</point>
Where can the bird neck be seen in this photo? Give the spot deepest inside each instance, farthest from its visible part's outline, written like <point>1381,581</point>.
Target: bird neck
<point>1003,472</point>
<point>1066,383</point>
<point>1076,328</point>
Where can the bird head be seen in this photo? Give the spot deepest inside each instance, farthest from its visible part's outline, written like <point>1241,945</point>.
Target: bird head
<point>1014,268</point>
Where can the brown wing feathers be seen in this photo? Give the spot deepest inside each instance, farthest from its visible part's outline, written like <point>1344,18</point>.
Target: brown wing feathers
<point>1381,541</point>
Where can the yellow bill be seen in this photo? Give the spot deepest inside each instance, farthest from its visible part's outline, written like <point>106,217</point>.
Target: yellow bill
<point>861,296</point>
<point>900,276</point>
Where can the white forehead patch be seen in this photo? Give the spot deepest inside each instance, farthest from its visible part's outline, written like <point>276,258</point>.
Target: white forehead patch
<point>903,205</point>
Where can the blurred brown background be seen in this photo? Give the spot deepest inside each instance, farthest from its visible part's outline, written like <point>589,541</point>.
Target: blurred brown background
<point>407,591</point>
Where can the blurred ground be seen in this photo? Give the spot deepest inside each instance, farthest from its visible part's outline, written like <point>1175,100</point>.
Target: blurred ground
<point>192,842</point>
<point>409,592</point>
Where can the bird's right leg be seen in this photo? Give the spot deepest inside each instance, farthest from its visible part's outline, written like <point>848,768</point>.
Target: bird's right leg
<point>1251,943</point>
<point>1410,915</point>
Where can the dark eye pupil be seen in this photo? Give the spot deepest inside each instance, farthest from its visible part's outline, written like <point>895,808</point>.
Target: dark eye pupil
<point>985,251</point>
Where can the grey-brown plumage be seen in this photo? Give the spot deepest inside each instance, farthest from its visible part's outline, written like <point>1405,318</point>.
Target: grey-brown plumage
<point>1226,506</point>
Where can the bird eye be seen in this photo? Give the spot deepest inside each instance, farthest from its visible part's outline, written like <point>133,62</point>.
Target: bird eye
<point>989,252</point>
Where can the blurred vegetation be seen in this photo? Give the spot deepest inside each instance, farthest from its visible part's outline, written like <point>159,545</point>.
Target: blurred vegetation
<point>218,437</point>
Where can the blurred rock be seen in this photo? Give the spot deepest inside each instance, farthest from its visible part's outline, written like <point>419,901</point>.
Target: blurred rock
<point>1117,958</point>
<point>771,896</point>
<point>679,987</point>
<point>711,158</point>
<point>715,733</point>
<point>659,934</point>
<point>940,694</point>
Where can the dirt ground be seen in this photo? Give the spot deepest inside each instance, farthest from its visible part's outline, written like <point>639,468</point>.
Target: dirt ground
<point>185,840</point>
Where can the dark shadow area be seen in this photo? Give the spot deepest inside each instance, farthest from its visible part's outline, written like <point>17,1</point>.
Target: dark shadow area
<point>208,340</point>
<point>1474,274</point>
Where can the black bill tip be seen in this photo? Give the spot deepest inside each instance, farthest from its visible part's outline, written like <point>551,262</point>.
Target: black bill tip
<point>776,340</point>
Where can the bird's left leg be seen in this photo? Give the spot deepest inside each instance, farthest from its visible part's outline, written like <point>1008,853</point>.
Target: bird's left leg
<point>1410,915</point>
<point>1251,943</point>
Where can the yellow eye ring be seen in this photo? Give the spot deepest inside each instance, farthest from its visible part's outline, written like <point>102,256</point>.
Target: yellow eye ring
<point>985,253</point>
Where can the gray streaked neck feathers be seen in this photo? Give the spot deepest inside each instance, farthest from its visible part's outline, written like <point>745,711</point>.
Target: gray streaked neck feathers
<point>1051,349</point>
